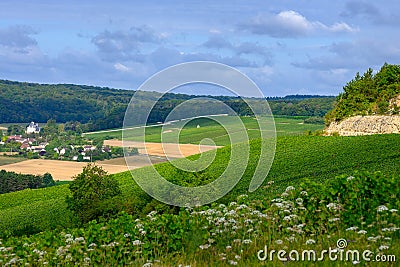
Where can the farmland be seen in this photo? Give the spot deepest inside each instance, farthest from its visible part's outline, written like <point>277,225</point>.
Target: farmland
<point>297,158</point>
<point>307,215</point>
<point>190,134</point>
<point>65,170</point>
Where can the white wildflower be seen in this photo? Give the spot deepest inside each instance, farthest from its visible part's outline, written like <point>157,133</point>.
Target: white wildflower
<point>382,208</point>
<point>137,243</point>
<point>303,193</point>
<point>247,241</point>
<point>206,246</point>
<point>353,228</point>
<point>332,206</point>
<point>232,262</point>
<point>383,247</point>
<point>79,239</point>
<point>152,213</point>
<point>68,236</point>
<point>393,210</point>
<point>284,194</point>
<point>279,242</point>
<point>289,188</point>
<point>362,232</point>
<point>350,178</point>
<point>310,242</point>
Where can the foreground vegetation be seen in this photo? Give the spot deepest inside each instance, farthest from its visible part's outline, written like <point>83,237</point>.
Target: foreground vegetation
<point>307,216</point>
<point>297,157</point>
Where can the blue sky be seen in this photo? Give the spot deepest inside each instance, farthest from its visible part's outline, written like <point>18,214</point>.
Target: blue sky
<point>286,47</point>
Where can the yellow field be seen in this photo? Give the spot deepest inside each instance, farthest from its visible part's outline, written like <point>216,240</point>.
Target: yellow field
<point>65,170</point>
<point>60,170</point>
<point>163,149</point>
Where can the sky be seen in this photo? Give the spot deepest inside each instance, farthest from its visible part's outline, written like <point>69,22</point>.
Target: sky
<point>285,47</point>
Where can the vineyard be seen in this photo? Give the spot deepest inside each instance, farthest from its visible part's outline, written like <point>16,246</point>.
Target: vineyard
<point>297,158</point>
<point>191,134</point>
<point>307,216</point>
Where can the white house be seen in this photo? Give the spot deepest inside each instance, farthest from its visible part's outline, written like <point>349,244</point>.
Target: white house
<point>32,128</point>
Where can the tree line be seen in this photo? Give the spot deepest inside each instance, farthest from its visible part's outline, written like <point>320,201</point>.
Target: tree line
<point>12,181</point>
<point>95,108</point>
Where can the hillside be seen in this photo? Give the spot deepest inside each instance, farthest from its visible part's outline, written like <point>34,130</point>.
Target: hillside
<point>104,108</point>
<point>297,158</point>
<point>369,94</point>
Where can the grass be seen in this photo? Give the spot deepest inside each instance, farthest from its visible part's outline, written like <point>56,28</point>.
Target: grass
<point>4,160</point>
<point>190,134</point>
<point>297,158</point>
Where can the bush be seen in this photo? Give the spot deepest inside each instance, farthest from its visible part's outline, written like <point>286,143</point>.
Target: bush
<point>92,193</point>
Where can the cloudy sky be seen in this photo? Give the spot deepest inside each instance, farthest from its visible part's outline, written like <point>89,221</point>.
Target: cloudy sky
<point>286,47</point>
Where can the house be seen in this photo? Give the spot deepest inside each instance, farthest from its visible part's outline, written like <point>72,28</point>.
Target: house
<point>86,158</point>
<point>89,148</point>
<point>25,145</point>
<point>16,138</point>
<point>33,128</point>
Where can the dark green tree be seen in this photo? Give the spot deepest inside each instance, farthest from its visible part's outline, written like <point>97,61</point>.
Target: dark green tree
<point>92,193</point>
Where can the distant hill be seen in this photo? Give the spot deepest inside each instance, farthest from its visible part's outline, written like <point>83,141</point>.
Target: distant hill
<point>369,94</point>
<point>103,108</point>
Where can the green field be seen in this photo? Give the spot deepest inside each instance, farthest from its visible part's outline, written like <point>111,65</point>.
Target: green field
<point>297,157</point>
<point>190,134</point>
<point>307,162</point>
<point>4,160</point>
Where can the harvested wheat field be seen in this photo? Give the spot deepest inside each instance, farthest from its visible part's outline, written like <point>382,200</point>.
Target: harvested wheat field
<point>64,170</point>
<point>163,149</point>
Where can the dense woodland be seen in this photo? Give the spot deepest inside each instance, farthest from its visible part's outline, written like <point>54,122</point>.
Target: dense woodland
<point>104,108</point>
<point>11,181</point>
<point>369,94</point>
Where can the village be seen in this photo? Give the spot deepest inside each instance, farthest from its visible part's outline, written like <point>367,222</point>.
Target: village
<point>54,142</point>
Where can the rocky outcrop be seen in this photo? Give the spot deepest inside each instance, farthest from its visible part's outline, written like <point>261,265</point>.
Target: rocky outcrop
<point>365,125</point>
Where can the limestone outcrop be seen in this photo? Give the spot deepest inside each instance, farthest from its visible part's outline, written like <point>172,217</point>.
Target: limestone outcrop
<point>365,125</point>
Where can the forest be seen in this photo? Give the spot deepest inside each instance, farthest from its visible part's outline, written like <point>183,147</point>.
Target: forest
<point>103,108</point>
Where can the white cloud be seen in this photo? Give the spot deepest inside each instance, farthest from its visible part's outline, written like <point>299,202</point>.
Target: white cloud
<point>290,24</point>
<point>121,67</point>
